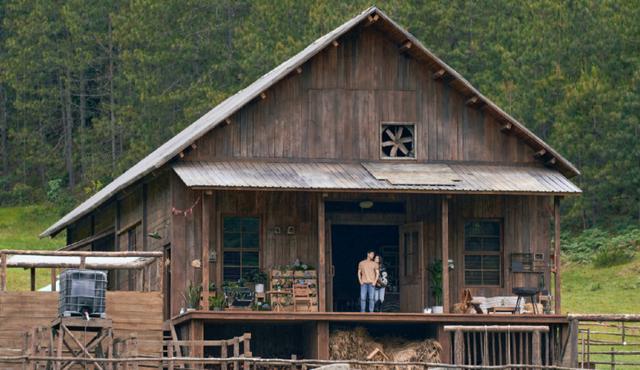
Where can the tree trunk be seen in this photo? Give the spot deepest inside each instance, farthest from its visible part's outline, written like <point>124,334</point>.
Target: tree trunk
<point>68,131</point>
<point>112,116</point>
<point>4,132</point>
<point>81,127</point>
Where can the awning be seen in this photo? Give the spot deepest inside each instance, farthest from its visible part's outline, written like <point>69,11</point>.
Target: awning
<point>96,263</point>
<point>375,176</point>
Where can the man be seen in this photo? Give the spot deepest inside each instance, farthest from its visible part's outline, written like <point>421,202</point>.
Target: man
<point>368,274</point>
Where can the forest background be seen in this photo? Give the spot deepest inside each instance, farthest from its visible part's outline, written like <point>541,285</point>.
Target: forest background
<point>89,87</point>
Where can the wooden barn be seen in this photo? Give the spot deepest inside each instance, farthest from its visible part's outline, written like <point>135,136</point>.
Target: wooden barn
<point>363,140</point>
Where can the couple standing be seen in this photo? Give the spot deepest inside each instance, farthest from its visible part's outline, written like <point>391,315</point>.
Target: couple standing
<point>373,279</point>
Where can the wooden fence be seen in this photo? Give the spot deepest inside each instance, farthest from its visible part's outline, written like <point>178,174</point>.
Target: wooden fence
<point>609,341</point>
<point>240,349</point>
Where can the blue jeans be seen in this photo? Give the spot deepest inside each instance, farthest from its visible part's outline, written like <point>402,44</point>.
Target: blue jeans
<point>379,294</point>
<point>366,290</point>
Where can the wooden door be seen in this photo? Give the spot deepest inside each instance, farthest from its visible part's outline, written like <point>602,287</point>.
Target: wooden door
<point>411,279</point>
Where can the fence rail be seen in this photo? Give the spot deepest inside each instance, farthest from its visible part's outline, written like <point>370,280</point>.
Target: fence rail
<point>613,331</point>
<point>257,363</point>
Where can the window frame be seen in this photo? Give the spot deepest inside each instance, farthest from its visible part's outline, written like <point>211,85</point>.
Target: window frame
<point>499,253</point>
<point>415,140</point>
<point>241,249</point>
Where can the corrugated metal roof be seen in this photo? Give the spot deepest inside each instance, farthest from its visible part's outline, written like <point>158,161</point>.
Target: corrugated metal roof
<point>466,178</point>
<point>204,124</point>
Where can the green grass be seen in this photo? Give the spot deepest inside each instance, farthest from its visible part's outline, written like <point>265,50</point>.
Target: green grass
<point>19,229</point>
<point>588,289</point>
<point>614,289</point>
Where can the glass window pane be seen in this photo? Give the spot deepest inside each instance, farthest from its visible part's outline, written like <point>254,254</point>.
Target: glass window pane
<point>249,259</point>
<point>491,262</point>
<point>250,240</point>
<point>251,224</point>
<point>491,277</point>
<point>232,240</point>
<point>473,244</point>
<point>232,258</point>
<point>473,278</point>
<point>231,273</point>
<point>491,244</point>
<point>232,224</point>
<point>472,262</point>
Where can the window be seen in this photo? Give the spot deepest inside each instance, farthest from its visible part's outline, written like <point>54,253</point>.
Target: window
<point>482,252</point>
<point>240,246</point>
<point>397,140</point>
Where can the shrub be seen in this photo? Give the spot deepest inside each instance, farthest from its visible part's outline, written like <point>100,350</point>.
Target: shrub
<point>601,247</point>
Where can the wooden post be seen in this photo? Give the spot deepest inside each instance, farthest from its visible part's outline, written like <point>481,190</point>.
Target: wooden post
<point>322,268</point>
<point>322,328</point>
<point>206,245</point>
<point>82,262</point>
<point>445,254</point>
<point>3,272</point>
<point>33,279</point>
<point>54,279</point>
<point>458,345</point>
<point>536,357</point>
<point>556,254</point>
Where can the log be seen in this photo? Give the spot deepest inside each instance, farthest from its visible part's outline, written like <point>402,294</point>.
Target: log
<point>81,253</point>
<point>497,328</point>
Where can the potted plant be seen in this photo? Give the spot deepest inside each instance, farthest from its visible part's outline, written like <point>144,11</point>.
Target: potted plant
<point>192,296</point>
<point>258,278</point>
<point>435,278</point>
<point>213,289</point>
<point>217,303</point>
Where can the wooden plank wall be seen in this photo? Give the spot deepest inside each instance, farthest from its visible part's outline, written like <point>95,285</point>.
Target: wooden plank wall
<point>138,313</point>
<point>334,107</point>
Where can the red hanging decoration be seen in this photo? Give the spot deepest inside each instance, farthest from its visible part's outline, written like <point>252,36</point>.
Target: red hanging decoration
<point>185,212</point>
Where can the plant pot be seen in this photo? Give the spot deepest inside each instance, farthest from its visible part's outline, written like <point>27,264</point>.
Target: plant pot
<point>218,309</point>
<point>259,288</point>
<point>190,309</point>
<point>437,309</point>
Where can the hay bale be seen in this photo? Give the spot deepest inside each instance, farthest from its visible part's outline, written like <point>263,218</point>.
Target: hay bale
<point>357,344</point>
<point>354,344</point>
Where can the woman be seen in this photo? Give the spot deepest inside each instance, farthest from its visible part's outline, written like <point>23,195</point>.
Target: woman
<point>381,284</point>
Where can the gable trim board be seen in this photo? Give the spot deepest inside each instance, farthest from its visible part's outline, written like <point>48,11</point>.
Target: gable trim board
<point>375,176</point>
<point>180,142</point>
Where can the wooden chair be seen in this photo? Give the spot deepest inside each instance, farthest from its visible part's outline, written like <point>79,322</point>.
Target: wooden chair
<point>302,295</point>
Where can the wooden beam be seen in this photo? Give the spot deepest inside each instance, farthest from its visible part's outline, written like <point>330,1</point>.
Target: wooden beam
<point>540,153</point>
<point>89,240</point>
<point>473,100</point>
<point>445,254</point>
<point>54,279</point>
<point>556,254</point>
<point>33,279</point>
<point>371,19</point>
<point>439,74</point>
<point>3,272</point>
<point>322,268</point>
<point>206,245</point>
<point>405,46</point>
<point>506,127</point>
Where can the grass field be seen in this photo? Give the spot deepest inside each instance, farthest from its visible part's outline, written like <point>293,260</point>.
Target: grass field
<point>19,229</point>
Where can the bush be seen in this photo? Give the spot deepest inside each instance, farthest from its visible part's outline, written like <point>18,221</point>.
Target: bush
<point>59,196</point>
<point>601,247</point>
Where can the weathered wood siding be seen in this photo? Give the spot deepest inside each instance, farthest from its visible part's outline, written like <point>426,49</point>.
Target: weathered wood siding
<point>132,313</point>
<point>334,109</point>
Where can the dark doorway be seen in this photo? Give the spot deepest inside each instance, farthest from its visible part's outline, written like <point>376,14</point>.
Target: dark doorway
<point>350,244</point>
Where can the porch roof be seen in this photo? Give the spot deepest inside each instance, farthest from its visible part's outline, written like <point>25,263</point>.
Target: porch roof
<point>375,176</point>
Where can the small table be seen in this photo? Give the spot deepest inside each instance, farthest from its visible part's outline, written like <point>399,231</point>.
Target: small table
<point>501,310</point>
<point>275,303</point>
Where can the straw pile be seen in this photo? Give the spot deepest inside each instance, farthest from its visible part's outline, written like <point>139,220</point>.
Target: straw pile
<point>357,344</point>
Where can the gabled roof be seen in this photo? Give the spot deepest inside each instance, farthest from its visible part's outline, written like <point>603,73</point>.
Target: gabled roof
<point>228,107</point>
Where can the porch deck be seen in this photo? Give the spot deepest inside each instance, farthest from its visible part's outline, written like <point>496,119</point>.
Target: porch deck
<point>357,317</point>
